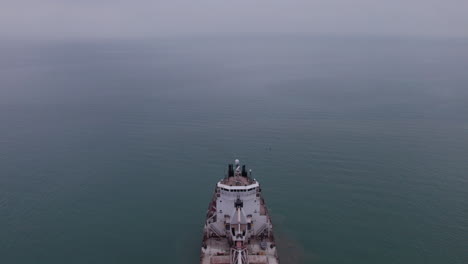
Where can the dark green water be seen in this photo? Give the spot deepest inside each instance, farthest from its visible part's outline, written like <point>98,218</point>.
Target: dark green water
<point>109,151</point>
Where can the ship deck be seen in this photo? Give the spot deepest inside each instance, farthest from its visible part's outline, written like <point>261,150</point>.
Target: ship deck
<point>237,181</point>
<point>260,247</point>
<point>218,249</point>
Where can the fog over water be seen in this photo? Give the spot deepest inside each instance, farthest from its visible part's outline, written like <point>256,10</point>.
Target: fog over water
<point>117,118</point>
<point>110,149</point>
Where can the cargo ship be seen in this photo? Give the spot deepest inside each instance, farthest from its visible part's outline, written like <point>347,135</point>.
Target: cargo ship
<point>238,228</point>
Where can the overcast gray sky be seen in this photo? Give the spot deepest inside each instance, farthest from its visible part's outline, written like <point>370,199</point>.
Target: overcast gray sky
<point>139,18</point>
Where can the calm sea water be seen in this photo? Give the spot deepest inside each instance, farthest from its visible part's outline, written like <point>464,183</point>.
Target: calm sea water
<point>110,150</point>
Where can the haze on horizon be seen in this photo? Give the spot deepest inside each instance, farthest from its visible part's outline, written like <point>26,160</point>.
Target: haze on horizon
<point>52,19</point>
